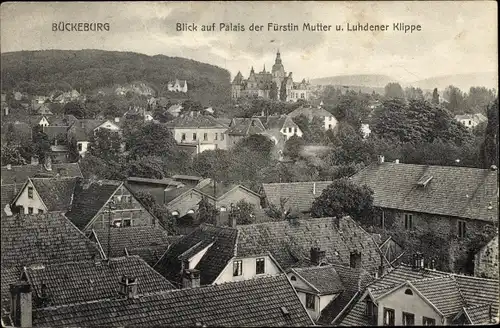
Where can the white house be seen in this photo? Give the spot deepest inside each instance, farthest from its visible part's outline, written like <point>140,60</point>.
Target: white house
<point>177,86</point>
<point>471,120</point>
<point>328,119</point>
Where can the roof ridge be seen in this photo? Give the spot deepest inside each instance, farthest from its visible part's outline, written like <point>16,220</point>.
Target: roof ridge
<point>431,278</point>
<point>296,182</point>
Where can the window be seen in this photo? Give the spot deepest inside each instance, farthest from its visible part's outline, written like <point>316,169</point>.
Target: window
<point>222,136</point>
<point>79,147</point>
<point>409,221</point>
<point>237,268</point>
<point>194,136</point>
<point>355,260</point>
<point>428,321</point>
<point>40,211</point>
<point>30,210</point>
<point>116,223</point>
<point>260,266</point>
<point>369,308</point>
<point>461,229</point>
<point>302,95</point>
<point>216,137</point>
<point>388,317</point>
<point>329,126</point>
<point>310,301</point>
<point>292,278</point>
<point>408,291</point>
<point>290,130</point>
<point>205,136</point>
<point>183,137</point>
<point>127,222</point>
<point>30,192</point>
<point>223,209</point>
<point>408,319</point>
<point>470,122</point>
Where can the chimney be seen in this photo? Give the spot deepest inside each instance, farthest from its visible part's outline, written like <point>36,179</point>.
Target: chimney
<point>48,163</point>
<point>380,159</point>
<point>418,261</point>
<point>117,119</point>
<point>317,256</point>
<point>128,287</point>
<point>191,278</point>
<point>493,168</point>
<point>21,304</point>
<point>396,161</point>
<point>9,167</point>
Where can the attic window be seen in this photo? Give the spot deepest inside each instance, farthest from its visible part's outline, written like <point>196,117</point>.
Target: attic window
<point>292,278</point>
<point>408,291</point>
<point>424,180</point>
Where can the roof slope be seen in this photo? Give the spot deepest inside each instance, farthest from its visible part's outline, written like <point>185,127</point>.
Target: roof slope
<point>290,243</point>
<point>256,302</point>
<point>89,197</point>
<point>21,173</point>
<point>43,239</point>
<point>246,126</point>
<point>75,282</point>
<point>211,264</point>
<point>150,243</point>
<point>479,290</point>
<point>195,121</point>
<point>324,279</point>
<point>9,192</point>
<point>57,193</point>
<point>442,292</point>
<point>299,195</point>
<point>478,314</point>
<point>452,191</point>
<point>310,111</point>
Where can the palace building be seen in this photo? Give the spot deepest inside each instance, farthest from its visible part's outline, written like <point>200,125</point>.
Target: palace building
<point>276,84</point>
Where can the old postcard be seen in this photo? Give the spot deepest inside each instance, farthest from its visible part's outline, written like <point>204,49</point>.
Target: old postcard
<point>247,163</point>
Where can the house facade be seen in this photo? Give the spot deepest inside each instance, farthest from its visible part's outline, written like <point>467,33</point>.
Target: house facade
<point>471,120</point>
<point>282,124</point>
<point>177,86</point>
<point>329,121</point>
<point>240,128</point>
<point>200,132</point>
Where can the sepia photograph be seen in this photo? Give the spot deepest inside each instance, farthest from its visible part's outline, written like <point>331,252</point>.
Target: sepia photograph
<point>249,163</point>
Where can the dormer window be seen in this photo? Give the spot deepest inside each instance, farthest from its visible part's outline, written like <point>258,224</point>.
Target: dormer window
<point>355,260</point>
<point>424,180</point>
<point>30,192</point>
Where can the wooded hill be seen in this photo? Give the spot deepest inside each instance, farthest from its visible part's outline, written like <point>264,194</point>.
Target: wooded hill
<point>42,72</point>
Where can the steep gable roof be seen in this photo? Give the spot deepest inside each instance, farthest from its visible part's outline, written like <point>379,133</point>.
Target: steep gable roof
<point>480,314</point>
<point>246,127</point>
<point>43,239</point>
<point>195,121</point>
<point>324,279</point>
<point>150,243</point>
<point>257,302</point>
<point>279,122</point>
<point>83,281</point>
<point>56,193</point>
<point>299,195</point>
<point>9,192</point>
<point>89,197</point>
<point>21,173</point>
<point>452,191</point>
<point>211,264</point>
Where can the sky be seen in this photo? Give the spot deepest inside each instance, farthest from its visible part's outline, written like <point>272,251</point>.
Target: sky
<point>455,38</point>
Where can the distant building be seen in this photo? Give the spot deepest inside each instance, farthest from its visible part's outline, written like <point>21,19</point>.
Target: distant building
<point>282,124</point>
<point>177,86</point>
<point>84,129</point>
<point>262,84</point>
<point>330,122</point>
<point>471,120</point>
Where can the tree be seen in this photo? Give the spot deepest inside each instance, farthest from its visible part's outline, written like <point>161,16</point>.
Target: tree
<point>349,147</point>
<point>394,90</point>
<point>105,144</point>
<point>41,143</point>
<point>73,153</point>
<point>273,92</point>
<point>478,99</point>
<point>489,148</point>
<point>151,167</point>
<point>343,197</point>
<point>412,93</point>
<point>11,155</point>
<point>213,164</point>
<point>456,102</point>
<point>281,212</point>
<point>160,211</point>
<point>207,213</point>
<point>435,96</point>
<point>352,108</point>
<point>293,147</point>
<point>283,91</point>
<point>152,140</point>
<point>243,212</point>
<point>76,109</point>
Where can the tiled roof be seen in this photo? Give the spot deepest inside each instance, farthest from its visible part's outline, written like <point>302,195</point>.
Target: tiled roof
<point>62,120</point>
<point>257,302</point>
<point>310,111</point>
<point>43,239</point>
<point>479,314</point>
<point>187,177</point>
<point>56,193</point>
<point>161,182</point>
<point>442,292</point>
<point>54,131</point>
<point>195,121</point>
<point>323,278</point>
<point>299,195</point>
<point>278,122</point>
<point>246,127</point>
<point>453,191</point>
<point>9,276</point>
<point>172,194</point>
<point>214,260</point>
<point>9,192</point>
<point>150,242</point>
<point>290,243</point>
<point>21,173</point>
<point>75,282</point>
<point>89,197</point>
<point>448,292</point>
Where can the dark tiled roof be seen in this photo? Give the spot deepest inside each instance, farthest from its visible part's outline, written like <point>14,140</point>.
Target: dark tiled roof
<point>195,121</point>
<point>442,292</point>
<point>452,191</point>
<point>9,276</point>
<point>246,127</point>
<point>21,173</point>
<point>161,182</point>
<point>479,314</point>
<point>172,194</point>
<point>299,195</point>
<point>214,260</point>
<point>62,120</point>
<point>88,199</point>
<point>43,239</point>
<point>479,290</point>
<point>256,302</point>
<point>279,122</point>
<point>290,243</point>
<point>54,131</point>
<point>220,189</point>
<point>150,242</point>
<point>56,193</point>
<point>9,192</point>
<point>187,177</point>
<point>323,278</point>
<point>75,282</point>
